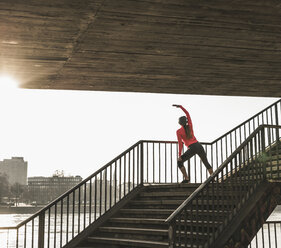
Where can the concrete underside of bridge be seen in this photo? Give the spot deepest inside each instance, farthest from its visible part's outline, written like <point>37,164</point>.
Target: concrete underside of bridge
<point>163,46</point>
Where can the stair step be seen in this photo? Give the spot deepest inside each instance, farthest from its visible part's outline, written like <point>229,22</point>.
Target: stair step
<point>166,186</point>
<point>166,194</point>
<point>178,202</point>
<point>126,230</point>
<point>138,220</point>
<point>157,221</point>
<point>274,168</point>
<point>165,213</point>
<point>147,211</point>
<point>128,242</point>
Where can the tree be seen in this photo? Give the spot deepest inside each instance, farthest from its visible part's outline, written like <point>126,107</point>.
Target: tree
<point>4,185</point>
<point>17,190</point>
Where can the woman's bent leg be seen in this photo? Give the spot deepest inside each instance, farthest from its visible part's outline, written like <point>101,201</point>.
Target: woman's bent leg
<point>187,155</point>
<point>202,154</point>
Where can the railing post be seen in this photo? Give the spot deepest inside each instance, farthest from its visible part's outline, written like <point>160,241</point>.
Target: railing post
<point>263,151</point>
<point>41,230</point>
<point>277,123</point>
<point>141,163</point>
<point>172,235</point>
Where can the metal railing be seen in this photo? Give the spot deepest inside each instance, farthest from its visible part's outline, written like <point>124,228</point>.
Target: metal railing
<point>145,162</point>
<point>225,192</point>
<point>269,236</point>
<point>60,221</point>
<point>160,156</point>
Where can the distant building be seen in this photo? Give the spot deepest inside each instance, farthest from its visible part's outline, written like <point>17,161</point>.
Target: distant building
<point>45,189</point>
<point>15,169</point>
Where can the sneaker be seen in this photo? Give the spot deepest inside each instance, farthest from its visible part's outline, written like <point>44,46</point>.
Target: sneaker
<point>185,181</point>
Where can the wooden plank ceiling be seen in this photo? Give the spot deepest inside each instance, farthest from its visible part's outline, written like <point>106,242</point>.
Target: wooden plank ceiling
<point>166,46</point>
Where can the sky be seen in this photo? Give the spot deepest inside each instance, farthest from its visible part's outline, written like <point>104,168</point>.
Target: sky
<point>80,131</point>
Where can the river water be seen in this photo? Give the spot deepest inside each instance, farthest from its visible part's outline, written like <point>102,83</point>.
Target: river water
<point>268,236</point>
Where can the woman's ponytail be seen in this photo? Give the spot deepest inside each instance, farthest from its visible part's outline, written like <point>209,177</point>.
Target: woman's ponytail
<point>187,131</point>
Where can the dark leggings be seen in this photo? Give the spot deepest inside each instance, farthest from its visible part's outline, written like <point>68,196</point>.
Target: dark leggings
<point>195,148</point>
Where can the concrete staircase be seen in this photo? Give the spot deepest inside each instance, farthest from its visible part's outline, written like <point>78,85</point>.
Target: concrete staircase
<point>141,223</point>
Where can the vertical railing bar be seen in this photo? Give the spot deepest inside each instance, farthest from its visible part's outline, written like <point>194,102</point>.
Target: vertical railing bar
<point>100,198</point>
<point>17,241</point>
<point>25,237</point>
<point>55,227</point>
<point>61,221</point>
<point>79,208</point>
<point>272,122</point>
<point>221,152</point>
<point>212,155</point>
<point>129,171</point>
<point>257,241</point>
<point>171,151</point>
<point>216,154</point>
<point>73,213</point>
<point>276,121</point>
<point>269,240</point>
<point>138,165</point>
<point>32,233</point>
<point>141,164</point>
<point>85,202</point>
<point>240,179</point>
<point>105,190</point>
<point>235,139</point>
<point>67,217</point>
<point>124,188</point>
<point>177,152</point>
<point>217,198</point>
<point>134,168</point>
<point>185,228</point>
<point>213,204</point>
<point>262,236</point>
<point>201,171</point>
<point>275,235</point>
<point>147,178</point>
<point>120,179</point>
<point>153,163</point>
<point>96,192</point>
<point>191,223</point>
<point>240,135</point>
<point>159,163</point>
<point>226,150</point>
<point>195,167</point>
<point>90,200</point>
<point>49,222</point>
<point>231,185</point>
<point>196,217</point>
<point>208,216</point>
<point>249,125</point>
<point>165,163</point>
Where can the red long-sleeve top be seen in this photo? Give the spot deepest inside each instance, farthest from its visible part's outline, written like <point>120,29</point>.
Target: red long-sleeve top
<point>182,135</point>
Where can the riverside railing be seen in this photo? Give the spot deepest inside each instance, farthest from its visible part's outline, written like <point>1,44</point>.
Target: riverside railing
<point>242,172</point>
<point>145,162</point>
<point>64,218</point>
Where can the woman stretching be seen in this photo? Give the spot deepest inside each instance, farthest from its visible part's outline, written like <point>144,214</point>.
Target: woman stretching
<point>185,135</point>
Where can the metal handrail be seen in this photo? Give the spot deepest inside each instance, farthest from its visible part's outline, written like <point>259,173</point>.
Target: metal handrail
<point>248,120</point>
<point>215,174</point>
<point>76,187</point>
<point>171,220</point>
<point>272,239</point>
